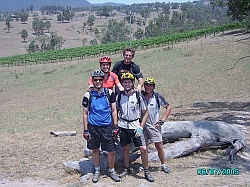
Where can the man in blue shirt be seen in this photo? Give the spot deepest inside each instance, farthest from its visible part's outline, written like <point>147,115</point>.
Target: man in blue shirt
<point>99,113</point>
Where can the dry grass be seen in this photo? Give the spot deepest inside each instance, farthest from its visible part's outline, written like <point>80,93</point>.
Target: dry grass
<point>35,101</point>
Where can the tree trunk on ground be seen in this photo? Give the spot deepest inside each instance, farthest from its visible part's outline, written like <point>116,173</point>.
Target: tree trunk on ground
<point>201,134</point>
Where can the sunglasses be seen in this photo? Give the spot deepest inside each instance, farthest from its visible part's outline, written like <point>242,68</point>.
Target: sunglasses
<point>98,80</point>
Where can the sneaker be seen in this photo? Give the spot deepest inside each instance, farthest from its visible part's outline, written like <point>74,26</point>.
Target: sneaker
<point>124,173</point>
<point>149,177</point>
<point>165,169</point>
<point>114,176</point>
<point>96,176</point>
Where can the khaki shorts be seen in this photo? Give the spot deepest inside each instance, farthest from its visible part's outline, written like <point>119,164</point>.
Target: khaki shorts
<point>151,133</point>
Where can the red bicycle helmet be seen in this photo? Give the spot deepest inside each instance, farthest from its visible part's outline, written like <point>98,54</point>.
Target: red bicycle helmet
<point>105,59</point>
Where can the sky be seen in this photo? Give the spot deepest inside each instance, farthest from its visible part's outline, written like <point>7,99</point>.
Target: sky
<point>137,1</point>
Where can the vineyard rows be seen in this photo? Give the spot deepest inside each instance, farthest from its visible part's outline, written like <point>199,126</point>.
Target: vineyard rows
<point>97,50</point>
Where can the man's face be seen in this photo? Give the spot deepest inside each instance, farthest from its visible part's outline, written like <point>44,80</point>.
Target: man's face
<point>128,56</point>
<point>97,82</point>
<point>149,88</point>
<point>127,84</point>
<point>105,67</point>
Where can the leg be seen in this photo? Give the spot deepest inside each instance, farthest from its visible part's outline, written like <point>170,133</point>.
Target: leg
<point>144,157</point>
<point>96,157</point>
<point>111,163</point>
<point>111,159</point>
<point>160,150</point>
<point>158,146</point>
<point>96,160</point>
<point>126,161</point>
<point>126,155</point>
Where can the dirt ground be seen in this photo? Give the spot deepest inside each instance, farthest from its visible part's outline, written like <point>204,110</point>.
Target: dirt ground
<point>235,113</point>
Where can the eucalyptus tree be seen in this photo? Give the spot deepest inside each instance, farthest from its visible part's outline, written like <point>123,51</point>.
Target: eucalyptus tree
<point>115,31</point>
<point>24,34</point>
<point>145,13</point>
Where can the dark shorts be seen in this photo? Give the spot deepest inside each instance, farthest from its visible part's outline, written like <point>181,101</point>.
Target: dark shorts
<point>127,136</point>
<point>101,136</point>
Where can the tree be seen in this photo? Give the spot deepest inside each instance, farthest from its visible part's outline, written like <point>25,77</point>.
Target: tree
<point>145,13</point>
<point>46,43</point>
<point>66,14</point>
<point>238,9</point>
<point>24,16</point>
<point>60,17</point>
<point>24,34</point>
<point>33,47</point>
<point>115,32</point>
<point>138,34</point>
<point>91,20</point>
<point>47,25</point>
<point>8,26</point>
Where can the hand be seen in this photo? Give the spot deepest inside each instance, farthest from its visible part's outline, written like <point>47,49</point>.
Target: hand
<point>90,88</point>
<point>159,124</point>
<point>138,131</point>
<point>87,135</point>
<point>115,132</point>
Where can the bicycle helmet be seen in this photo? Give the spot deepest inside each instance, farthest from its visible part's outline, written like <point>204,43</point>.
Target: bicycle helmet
<point>97,73</point>
<point>127,75</point>
<point>105,59</point>
<point>150,80</point>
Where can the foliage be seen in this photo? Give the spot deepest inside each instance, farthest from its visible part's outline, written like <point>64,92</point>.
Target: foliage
<point>47,25</point>
<point>46,43</point>
<point>93,50</point>
<point>7,23</point>
<point>91,20</point>
<point>24,16</point>
<point>115,32</point>
<point>145,12</point>
<point>24,34</point>
<point>238,9</point>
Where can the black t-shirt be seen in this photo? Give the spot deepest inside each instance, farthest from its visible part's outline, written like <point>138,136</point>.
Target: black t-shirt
<point>120,68</point>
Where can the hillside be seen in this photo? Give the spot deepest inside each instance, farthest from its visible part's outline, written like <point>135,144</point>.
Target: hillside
<point>17,5</point>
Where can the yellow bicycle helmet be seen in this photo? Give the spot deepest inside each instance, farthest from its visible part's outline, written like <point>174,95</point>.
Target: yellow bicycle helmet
<point>127,75</point>
<point>150,80</point>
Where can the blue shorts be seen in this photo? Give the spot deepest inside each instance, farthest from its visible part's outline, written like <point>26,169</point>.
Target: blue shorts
<point>101,136</point>
<point>127,136</point>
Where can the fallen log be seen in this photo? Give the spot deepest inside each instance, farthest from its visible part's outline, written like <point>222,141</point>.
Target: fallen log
<point>199,134</point>
<point>67,133</point>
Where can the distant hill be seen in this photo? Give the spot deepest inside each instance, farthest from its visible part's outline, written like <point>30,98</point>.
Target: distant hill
<point>17,5</point>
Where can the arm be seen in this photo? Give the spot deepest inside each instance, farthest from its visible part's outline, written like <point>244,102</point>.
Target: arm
<point>140,84</point>
<point>120,87</point>
<point>90,83</point>
<point>144,118</point>
<point>114,113</point>
<point>85,118</point>
<point>167,113</point>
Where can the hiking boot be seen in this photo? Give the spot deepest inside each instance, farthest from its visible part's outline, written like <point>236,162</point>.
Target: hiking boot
<point>114,176</point>
<point>124,173</point>
<point>96,176</point>
<point>165,169</point>
<point>149,177</point>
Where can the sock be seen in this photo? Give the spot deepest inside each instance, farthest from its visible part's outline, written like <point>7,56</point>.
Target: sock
<point>163,165</point>
<point>111,170</point>
<point>145,170</point>
<point>97,168</point>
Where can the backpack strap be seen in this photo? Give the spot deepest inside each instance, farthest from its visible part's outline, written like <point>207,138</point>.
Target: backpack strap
<point>122,92</point>
<point>107,93</point>
<point>157,100</point>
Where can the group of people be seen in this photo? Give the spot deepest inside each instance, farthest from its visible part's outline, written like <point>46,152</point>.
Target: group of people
<point>130,112</point>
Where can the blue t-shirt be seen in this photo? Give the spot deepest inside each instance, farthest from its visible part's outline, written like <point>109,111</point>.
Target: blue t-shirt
<point>99,109</point>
